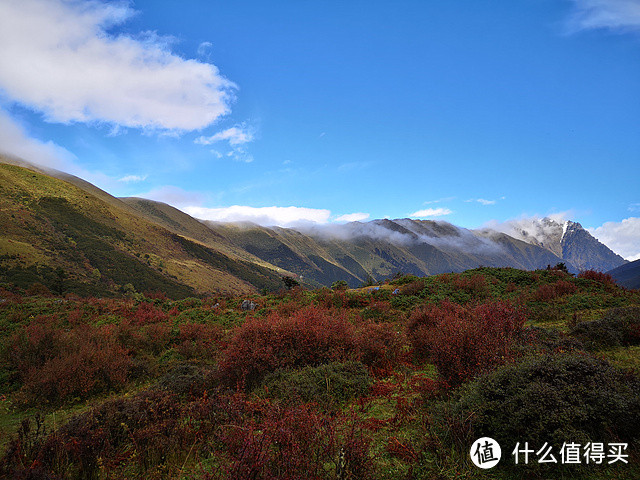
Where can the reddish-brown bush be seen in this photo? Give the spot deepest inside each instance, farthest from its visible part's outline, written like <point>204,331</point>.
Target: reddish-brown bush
<point>34,344</point>
<point>551,291</point>
<point>544,293</point>
<point>196,340</point>
<point>462,342</point>
<point>562,287</point>
<point>413,288</point>
<point>378,345</point>
<point>148,313</point>
<point>402,450</point>
<point>311,336</point>
<point>475,284</point>
<point>55,365</point>
<point>601,277</point>
<point>38,289</point>
<point>307,443</point>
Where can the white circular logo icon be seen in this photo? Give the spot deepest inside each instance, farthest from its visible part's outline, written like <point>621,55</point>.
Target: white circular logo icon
<point>485,452</point>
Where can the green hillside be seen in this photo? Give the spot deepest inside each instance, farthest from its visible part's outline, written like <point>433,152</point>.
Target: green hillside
<point>77,238</point>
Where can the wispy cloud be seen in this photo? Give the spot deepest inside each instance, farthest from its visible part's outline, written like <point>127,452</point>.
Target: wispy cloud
<point>133,178</point>
<point>440,200</point>
<point>238,135</point>
<point>619,15</point>
<point>352,166</point>
<point>174,196</point>
<point>204,50</point>
<point>621,237</point>
<point>431,212</point>
<point>353,217</point>
<point>267,216</point>
<point>482,201</point>
<point>15,141</point>
<point>634,207</point>
<point>57,57</point>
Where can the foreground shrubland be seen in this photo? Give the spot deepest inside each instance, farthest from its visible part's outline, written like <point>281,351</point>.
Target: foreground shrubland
<point>327,384</point>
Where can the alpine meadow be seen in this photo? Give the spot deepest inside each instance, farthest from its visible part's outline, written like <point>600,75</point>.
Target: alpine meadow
<point>319,240</point>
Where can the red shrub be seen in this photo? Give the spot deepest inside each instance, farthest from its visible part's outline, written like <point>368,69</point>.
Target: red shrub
<point>462,342</point>
<point>199,341</point>
<point>36,343</point>
<point>413,288</point>
<point>311,336</point>
<point>562,287</point>
<point>601,277</point>
<point>297,442</point>
<point>551,291</point>
<point>37,289</point>
<point>475,284</point>
<point>148,313</point>
<point>544,293</point>
<point>378,344</point>
<point>85,361</point>
<point>401,450</point>
<point>155,337</point>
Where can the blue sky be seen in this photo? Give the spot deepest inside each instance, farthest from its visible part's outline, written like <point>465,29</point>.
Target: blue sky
<point>327,111</point>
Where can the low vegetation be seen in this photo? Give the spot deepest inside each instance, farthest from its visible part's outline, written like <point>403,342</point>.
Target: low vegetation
<point>390,381</point>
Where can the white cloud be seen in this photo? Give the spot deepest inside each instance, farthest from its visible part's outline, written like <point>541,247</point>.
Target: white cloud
<point>621,237</point>
<point>634,207</point>
<point>15,142</point>
<point>440,200</point>
<point>133,178</point>
<point>204,50</point>
<point>482,201</point>
<point>267,216</point>
<point>237,135</point>
<point>610,14</point>
<point>174,196</point>
<point>431,212</point>
<point>58,58</point>
<point>353,217</point>
<point>526,228</point>
<point>352,166</point>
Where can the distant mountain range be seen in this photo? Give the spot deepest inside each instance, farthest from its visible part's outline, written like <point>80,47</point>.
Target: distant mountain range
<point>627,275</point>
<point>381,248</point>
<point>65,233</point>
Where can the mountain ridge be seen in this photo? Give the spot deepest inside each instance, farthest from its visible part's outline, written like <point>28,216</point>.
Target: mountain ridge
<point>159,241</point>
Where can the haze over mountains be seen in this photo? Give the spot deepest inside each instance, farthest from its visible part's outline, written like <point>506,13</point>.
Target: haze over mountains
<point>60,230</point>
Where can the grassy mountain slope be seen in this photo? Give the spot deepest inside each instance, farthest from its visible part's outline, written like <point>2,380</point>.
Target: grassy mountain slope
<point>81,239</point>
<point>183,224</point>
<point>289,250</point>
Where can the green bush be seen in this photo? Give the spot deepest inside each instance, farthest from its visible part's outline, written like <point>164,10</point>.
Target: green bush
<point>183,379</point>
<point>330,384</point>
<point>555,399</point>
<point>618,326</point>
